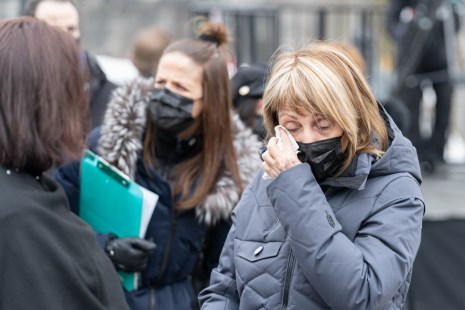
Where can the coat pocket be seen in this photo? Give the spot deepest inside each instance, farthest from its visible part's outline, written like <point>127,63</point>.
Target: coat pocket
<point>254,251</point>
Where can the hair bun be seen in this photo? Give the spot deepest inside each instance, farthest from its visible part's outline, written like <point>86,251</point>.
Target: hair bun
<point>214,32</point>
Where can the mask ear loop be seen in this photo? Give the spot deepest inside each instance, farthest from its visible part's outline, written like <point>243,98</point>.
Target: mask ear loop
<point>300,156</point>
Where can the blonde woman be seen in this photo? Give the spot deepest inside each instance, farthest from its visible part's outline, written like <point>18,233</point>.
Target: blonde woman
<point>337,224</point>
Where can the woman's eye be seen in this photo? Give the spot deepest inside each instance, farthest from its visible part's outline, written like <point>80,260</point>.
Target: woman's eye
<point>180,87</point>
<point>324,125</point>
<point>292,129</point>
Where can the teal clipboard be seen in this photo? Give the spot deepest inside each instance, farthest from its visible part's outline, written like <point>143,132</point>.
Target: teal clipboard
<point>110,202</point>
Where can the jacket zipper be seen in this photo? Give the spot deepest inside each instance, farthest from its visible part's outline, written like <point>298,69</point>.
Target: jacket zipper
<point>287,281</point>
<point>169,241</point>
<point>167,253</point>
<point>172,228</point>
<point>153,301</point>
<point>164,264</point>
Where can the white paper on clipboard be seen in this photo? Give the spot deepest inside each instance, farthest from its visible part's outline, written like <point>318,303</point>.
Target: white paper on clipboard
<point>149,202</point>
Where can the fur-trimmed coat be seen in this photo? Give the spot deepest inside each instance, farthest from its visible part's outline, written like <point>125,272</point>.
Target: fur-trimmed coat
<point>180,236</point>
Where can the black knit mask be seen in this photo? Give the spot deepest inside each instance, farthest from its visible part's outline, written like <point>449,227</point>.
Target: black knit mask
<point>325,157</point>
<point>170,111</point>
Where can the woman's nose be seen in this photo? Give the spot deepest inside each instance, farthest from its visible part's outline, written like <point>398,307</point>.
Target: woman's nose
<point>309,136</point>
<point>169,86</point>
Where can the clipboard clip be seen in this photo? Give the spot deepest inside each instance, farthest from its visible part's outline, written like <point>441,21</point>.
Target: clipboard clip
<point>108,169</point>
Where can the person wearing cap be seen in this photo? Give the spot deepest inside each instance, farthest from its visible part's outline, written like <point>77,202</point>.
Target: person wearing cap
<point>248,85</point>
<point>176,135</point>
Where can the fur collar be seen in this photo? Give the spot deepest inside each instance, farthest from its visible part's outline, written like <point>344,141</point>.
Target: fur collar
<point>121,143</point>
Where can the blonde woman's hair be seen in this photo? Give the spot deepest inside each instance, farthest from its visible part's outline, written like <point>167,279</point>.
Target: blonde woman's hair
<point>323,80</point>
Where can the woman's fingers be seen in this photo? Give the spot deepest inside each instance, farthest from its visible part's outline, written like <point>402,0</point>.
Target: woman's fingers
<point>277,159</point>
<point>272,147</point>
<point>268,164</point>
<point>269,170</point>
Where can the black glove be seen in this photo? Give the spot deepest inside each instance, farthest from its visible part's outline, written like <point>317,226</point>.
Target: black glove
<point>129,254</point>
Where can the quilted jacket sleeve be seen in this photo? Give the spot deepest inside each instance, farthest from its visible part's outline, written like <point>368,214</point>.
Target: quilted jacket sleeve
<point>364,273</point>
<point>222,292</point>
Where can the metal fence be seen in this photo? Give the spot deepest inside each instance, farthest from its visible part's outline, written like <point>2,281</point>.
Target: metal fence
<point>258,31</point>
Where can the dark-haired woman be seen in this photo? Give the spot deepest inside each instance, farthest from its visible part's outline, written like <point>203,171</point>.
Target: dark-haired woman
<point>49,257</point>
<point>176,136</point>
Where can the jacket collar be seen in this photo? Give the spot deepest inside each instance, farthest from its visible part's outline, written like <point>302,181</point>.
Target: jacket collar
<point>400,157</point>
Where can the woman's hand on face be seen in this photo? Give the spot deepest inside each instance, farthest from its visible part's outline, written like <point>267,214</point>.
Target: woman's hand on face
<point>277,160</point>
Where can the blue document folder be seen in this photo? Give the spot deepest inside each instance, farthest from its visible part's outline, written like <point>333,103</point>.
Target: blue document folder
<point>110,202</point>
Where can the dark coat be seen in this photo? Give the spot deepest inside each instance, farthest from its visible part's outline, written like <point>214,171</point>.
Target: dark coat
<point>181,237</point>
<point>421,49</point>
<point>348,243</point>
<point>100,90</point>
<point>49,258</point>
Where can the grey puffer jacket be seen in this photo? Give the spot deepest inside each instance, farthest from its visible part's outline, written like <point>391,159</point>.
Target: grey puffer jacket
<point>347,243</point>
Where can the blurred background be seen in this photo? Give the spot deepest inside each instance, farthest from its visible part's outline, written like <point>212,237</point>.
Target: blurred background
<point>258,28</point>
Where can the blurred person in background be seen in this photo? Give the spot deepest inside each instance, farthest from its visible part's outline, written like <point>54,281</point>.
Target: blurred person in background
<point>64,15</point>
<point>336,225</point>
<point>176,135</point>
<point>422,65</point>
<point>248,85</point>
<point>147,49</point>
<point>49,257</point>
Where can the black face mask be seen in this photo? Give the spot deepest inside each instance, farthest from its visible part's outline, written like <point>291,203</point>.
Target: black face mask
<point>170,111</point>
<point>325,157</point>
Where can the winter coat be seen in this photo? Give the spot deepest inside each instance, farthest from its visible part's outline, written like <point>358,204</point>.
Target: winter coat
<point>100,90</point>
<point>347,243</point>
<point>181,236</point>
<point>49,257</point>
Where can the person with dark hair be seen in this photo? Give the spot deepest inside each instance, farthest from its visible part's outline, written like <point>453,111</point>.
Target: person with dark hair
<point>176,135</point>
<point>64,15</point>
<point>417,27</point>
<point>333,221</point>
<point>248,85</point>
<point>42,244</point>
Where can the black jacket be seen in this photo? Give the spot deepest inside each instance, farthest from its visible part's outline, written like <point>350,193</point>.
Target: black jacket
<point>49,258</point>
<point>100,90</point>
<point>420,48</point>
